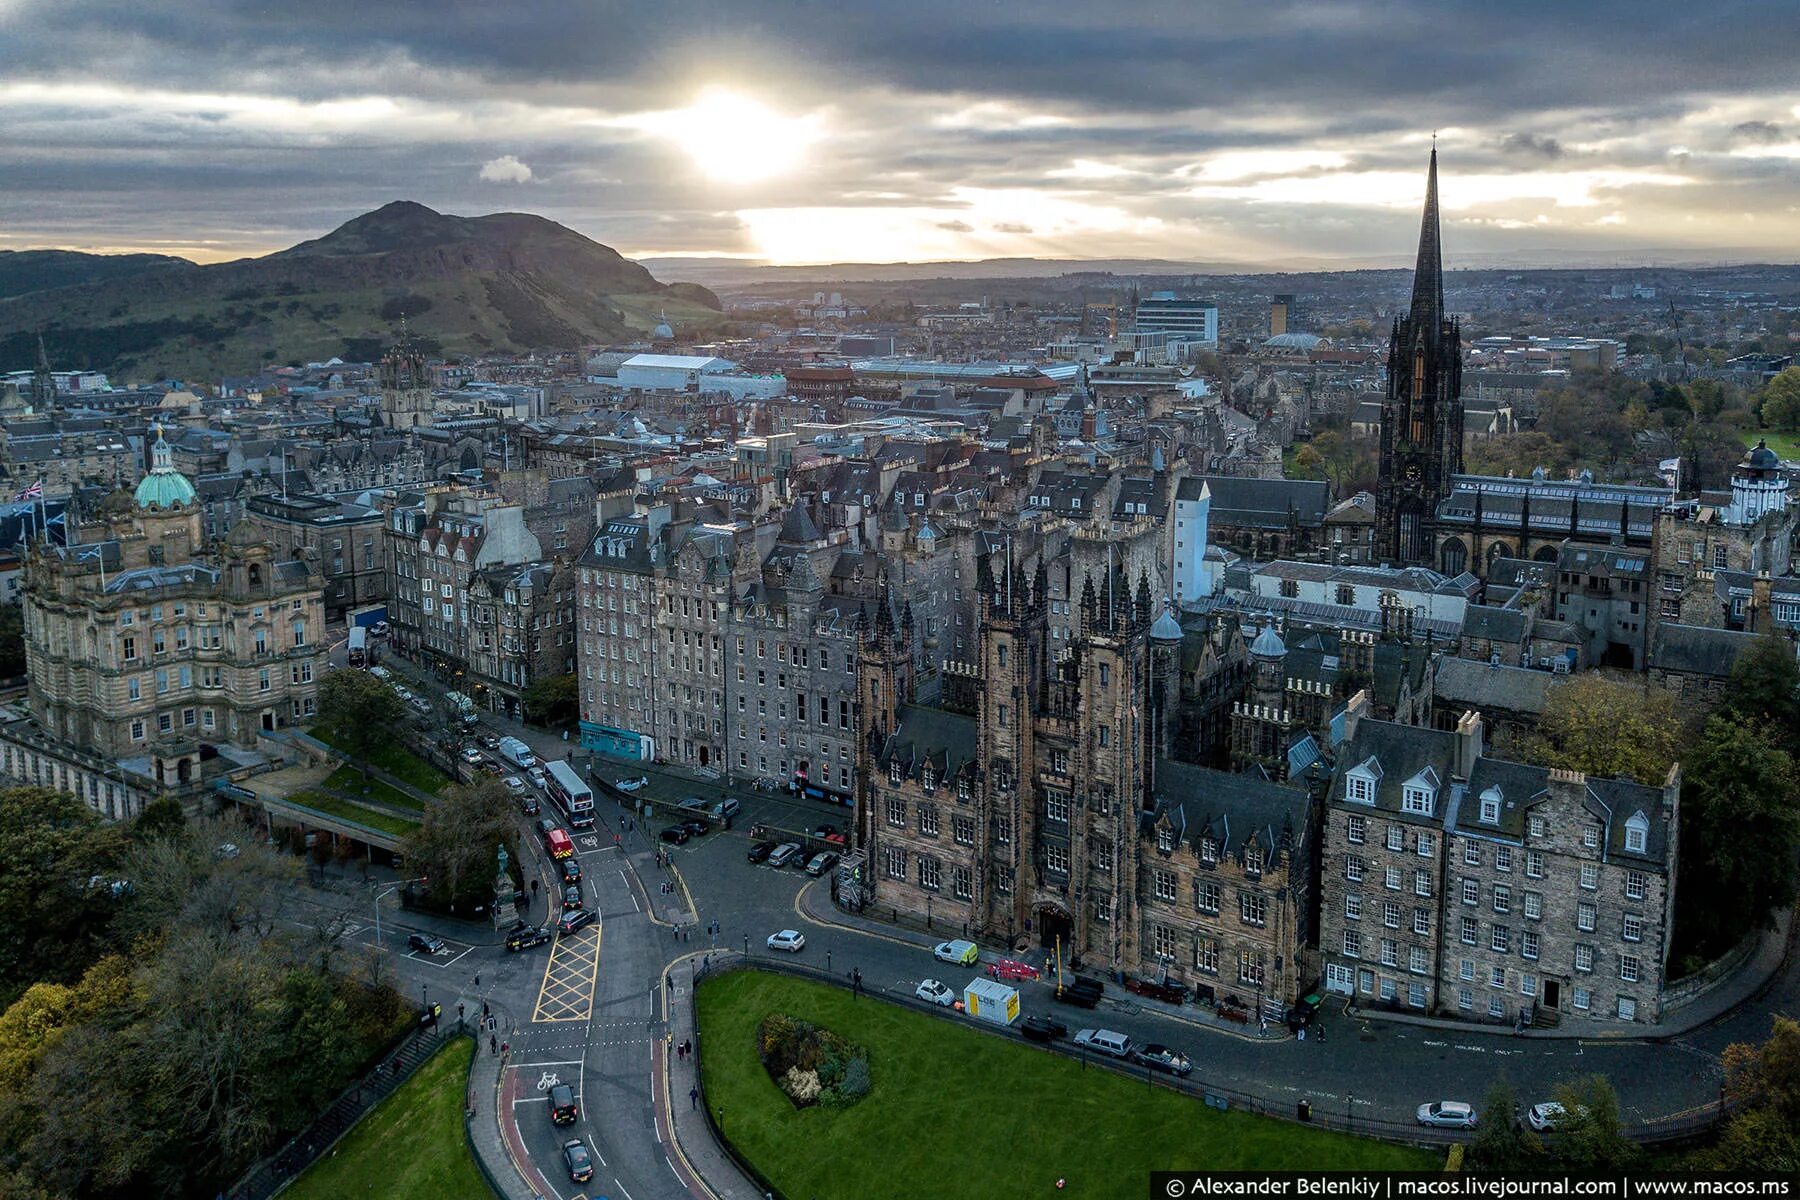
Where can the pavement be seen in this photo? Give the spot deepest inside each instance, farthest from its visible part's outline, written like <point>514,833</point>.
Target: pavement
<point>605,1012</point>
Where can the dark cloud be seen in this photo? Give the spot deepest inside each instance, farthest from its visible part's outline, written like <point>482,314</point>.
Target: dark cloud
<point>1009,227</point>
<point>1531,145</point>
<point>956,226</point>
<point>1766,132</point>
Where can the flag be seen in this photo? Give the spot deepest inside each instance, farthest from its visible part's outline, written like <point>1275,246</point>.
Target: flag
<point>34,492</point>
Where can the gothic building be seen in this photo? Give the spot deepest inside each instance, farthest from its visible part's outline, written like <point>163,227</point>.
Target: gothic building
<point>405,387</point>
<point>1422,415</point>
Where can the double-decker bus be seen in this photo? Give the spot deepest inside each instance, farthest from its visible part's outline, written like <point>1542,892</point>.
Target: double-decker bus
<point>574,797</point>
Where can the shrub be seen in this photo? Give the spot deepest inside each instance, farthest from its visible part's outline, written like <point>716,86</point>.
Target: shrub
<point>811,1065</point>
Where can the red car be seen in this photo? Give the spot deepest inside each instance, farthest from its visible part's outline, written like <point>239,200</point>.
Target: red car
<point>1009,968</point>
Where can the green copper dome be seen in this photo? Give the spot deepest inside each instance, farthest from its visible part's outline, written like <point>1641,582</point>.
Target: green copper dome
<point>164,486</point>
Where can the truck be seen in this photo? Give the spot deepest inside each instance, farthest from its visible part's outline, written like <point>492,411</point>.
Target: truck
<point>359,646</point>
<point>464,708</point>
<point>517,753</point>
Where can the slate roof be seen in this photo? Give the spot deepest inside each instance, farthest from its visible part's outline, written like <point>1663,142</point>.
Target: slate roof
<point>1260,503</point>
<point>1201,803</point>
<point>1482,687</point>
<point>948,741</point>
<point>1493,624</point>
<point>1402,752</point>
<point>1698,649</point>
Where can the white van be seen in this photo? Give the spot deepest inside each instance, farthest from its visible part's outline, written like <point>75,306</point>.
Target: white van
<point>1105,1041</point>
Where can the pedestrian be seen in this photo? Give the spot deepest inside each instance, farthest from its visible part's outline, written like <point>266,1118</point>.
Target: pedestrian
<point>670,980</point>
<point>1303,1033</point>
<point>477,980</point>
<point>484,1009</point>
<point>493,1044</point>
<point>694,1097</point>
<point>1264,1028</point>
<point>504,1047</point>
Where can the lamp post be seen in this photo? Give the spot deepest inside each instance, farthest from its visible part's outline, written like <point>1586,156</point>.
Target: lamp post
<point>746,946</point>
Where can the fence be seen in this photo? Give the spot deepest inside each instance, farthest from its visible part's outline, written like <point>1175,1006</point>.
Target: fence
<point>310,1144</point>
<point>1680,1128</point>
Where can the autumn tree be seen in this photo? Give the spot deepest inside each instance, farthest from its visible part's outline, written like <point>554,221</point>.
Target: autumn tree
<point>1600,725</point>
<point>1501,1142</point>
<point>360,710</point>
<point>1763,1083</point>
<point>1590,1134</point>
<point>456,843</point>
<point>58,871</point>
<point>1781,401</point>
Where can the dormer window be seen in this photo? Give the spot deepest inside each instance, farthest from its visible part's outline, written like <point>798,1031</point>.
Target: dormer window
<point>894,773</point>
<point>1416,799</point>
<point>1165,840</point>
<point>1490,807</point>
<point>1253,860</point>
<point>1209,851</point>
<point>1637,833</point>
<point>1359,789</point>
<point>962,789</point>
<point>928,777</point>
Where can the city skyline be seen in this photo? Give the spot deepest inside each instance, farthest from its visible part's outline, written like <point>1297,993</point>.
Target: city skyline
<point>1280,135</point>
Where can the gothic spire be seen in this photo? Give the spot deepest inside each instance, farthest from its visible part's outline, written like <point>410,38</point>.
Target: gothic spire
<point>1428,274</point>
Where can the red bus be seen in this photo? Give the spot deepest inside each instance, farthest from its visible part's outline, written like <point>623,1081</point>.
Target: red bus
<point>558,843</point>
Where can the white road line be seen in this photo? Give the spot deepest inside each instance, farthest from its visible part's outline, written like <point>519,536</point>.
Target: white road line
<point>622,1190</point>
<point>531,1100</point>
<point>558,1062</point>
<point>672,1170</point>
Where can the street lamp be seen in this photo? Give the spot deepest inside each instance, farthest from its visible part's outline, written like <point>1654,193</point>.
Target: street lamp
<point>746,946</point>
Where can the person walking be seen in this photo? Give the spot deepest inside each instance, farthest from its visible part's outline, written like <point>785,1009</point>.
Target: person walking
<point>493,1044</point>
<point>694,1097</point>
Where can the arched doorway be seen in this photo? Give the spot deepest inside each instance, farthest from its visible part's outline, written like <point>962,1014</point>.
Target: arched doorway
<point>1453,557</point>
<point>1054,927</point>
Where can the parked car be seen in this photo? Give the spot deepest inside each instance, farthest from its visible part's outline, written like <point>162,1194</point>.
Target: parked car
<point>425,943</point>
<point>563,1109</point>
<point>959,952</point>
<point>676,835</point>
<point>1447,1114</point>
<point>1081,992</point>
<point>405,693</point>
<point>791,940</point>
<point>784,854</point>
<point>571,897</point>
<point>490,741</point>
<point>571,869</point>
<point>1548,1115</point>
<point>578,1160</point>
<point>696,828</point>
<point>1042,1029</point>
<point>760,851</point>
<point>1164,1059</point>
<point>420,703</point>
<point>471,755</point>
<point>1105,1041</point>
<point>1170,991</point>
<point>632,785</point>
<point>726,809</point>
<point>1011,970</point>
<point>381,673</point>
<point>526,938</point>
<point>581,918</point>
<point>821,863</point>
<point>831,833</point>
<point>693,804</point>
<point>545,825</point>
<point>936,993</point>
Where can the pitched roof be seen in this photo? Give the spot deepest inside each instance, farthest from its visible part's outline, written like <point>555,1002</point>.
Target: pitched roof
<point>1230,809</point>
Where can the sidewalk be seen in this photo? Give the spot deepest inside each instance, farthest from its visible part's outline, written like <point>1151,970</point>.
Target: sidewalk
<point>815,904</point>
<point>713,1171</point>
<point>482,1121</point>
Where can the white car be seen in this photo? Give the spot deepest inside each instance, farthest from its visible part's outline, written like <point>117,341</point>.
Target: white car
<point>632,785</point>
<point>514,784</point>
<point>791,940</point>
<point>935,992</point>
<point>1549,1115</point>
<point>1447,1114</point>
<point>471,755</point>
<point>403,693</point>
<point>420,703</point>
<point>380,672</point>
<point>538,779</point>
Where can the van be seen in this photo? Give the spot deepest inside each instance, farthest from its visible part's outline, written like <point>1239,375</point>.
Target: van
<point>563,1110</point>
<point>961,953</point>
<point>1105,1041</point>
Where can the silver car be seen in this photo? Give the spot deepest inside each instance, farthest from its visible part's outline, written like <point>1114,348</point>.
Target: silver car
<point>1447,1114</point>
<point>784,854</point>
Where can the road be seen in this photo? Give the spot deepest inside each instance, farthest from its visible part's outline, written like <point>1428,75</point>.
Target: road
<point>591,1011</point>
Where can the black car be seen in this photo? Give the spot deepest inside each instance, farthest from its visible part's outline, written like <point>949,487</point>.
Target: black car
<point>1042,1029</point>
<point>676,835</point>
<point>425,943</point>
<point>580,918</point>
<point>545,825</point>
<point>571,897</point>
<point>526,938</point>
<point>761,850</point>
<point>563,1108</point>
<point>578,1160</point>
<point>571,869</point>
<point>696,828</point>
<point>1164,1059</point>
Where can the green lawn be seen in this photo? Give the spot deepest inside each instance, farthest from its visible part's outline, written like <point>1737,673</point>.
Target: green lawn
<point>350,811</point>
<point>958,1113</point>
<point>1787,445</point>
<point>349,778</point>
<point>411,1147</point>
<point>395,759</point>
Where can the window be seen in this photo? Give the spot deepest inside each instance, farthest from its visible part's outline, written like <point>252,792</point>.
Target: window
<point>1253,861</point>
<point>1390,914</point>
<point>1250,968</point>
<point>1206,957</point>
<point>1634,884</point>
<point>1165,885</point>
<point>1390,952</point>
<point>1003,831</point>
<point>1503,858</point>
<point>1584,916</point>
<point>1388,989</point>
<point>1421,883</point>
<point>1534,905</point>
<point>1415,995</point>
<point>1416,800</point>
<point>1637,832</point>
<point>1206,898</point>
<point>931,873</point>
<point>1497,977</point>
<point>1465,999</point>
<point>1471,931</point>
<point>1472,853</point>
<point>1417,961</point>
<point>896,812</point>
<point>1584,957</point>
<point>1355,830</point>
<point>928,820</point>
<point>1353,867</point>
<point>964,830</point>
<point>1627,1006</point>
<point>1056,806</point>
<point>1590,837</point>
<point>1471,891</point>
<point>1422,922</point>
<point>1359,790</point>
<point>1252,908</point>
<point>1535,826</point>
<point>1528,984</point>
<point>1632,928</point>
<point>1353,906</point>
<point>1490,807</point>
<point>1059,762</point>
<point>1105,736</point>
<point>1590,876</point>
<point>1534,864</point>
<point>1390,878</point>
<point>1528,943</point>
<point>1056,858</point>
<point>1502,898</point>
<point>1500,939</point>
<point>1628,967</point>
<point>1396,838</point>
<point>962,883</point>
<point>1427,845</point>
<point>1583,999</point>
<point>1352,944</point>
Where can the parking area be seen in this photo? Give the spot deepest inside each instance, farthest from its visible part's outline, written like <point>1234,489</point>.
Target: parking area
<point>443,955</point>
<point>567,993</point>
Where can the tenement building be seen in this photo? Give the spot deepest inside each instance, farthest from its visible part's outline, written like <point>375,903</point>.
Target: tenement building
<point>1465,886</point>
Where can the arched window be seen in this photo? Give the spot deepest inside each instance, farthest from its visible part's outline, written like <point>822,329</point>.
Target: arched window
<point>1453,557</point>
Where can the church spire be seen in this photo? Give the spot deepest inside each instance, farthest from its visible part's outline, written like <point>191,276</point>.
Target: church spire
<point>1428,273</point>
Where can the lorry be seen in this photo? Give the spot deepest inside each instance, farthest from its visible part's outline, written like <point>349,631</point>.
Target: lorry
<point>359,646</point>
<point>517,753</point>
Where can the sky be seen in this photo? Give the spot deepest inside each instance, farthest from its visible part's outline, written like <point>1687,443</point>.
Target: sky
<point>1259,132</point>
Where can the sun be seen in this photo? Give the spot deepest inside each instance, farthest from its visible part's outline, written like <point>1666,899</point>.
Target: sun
<point>734,138</point>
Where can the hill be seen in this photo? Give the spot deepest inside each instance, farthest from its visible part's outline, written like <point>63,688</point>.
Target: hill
<point>503,282</point>
<point>23,271</point>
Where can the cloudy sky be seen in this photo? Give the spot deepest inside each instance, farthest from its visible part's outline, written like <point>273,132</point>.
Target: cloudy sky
<point>1256,131</point>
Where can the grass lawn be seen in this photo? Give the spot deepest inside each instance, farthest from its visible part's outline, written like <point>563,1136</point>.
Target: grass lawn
<point>350,779</point>
<point>347,810</point>
<point>1787,445</point>
<point>395,759</point>
<point>957,1113</point>
<point>411,1147</point>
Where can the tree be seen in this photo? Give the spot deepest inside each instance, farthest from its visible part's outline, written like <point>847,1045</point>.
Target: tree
<point>362,711</point>
<point>1501,1142</point>
<point>1765,686</point>
<point>1590,1134</point>
<point>1781,400</point>
<point>58,865</point>
<point>1740,829</point>
<point>1764,1083</point>
<point>454,846</point>
<point>1604,726</point>
<point>1308,463</point>
<point>12,640</point>
<point>555,701</point>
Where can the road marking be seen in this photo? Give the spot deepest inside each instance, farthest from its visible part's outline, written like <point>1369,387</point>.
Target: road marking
<point>567,992</point>
<point>622,1190</point>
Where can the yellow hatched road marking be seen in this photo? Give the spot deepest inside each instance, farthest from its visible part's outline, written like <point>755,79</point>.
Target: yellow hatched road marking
<point>567,993</point>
